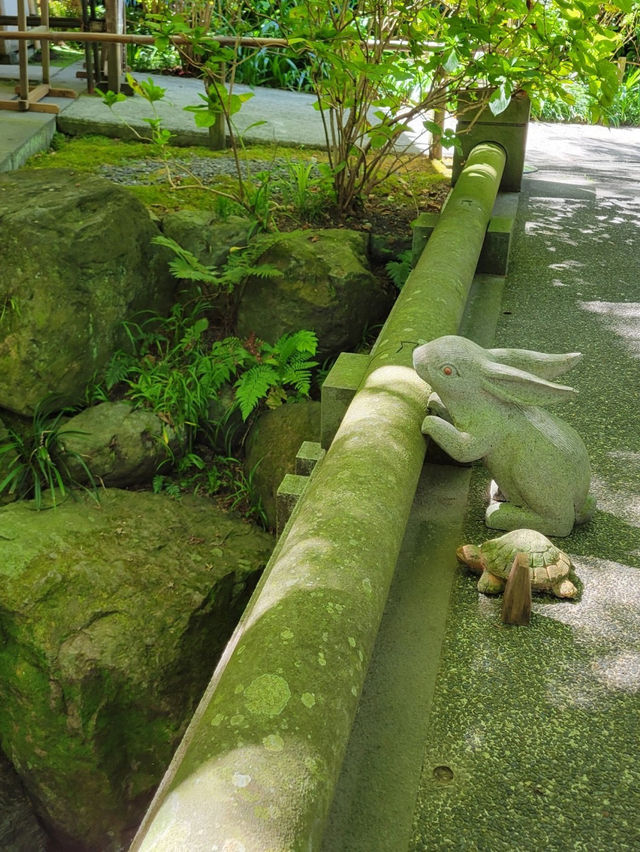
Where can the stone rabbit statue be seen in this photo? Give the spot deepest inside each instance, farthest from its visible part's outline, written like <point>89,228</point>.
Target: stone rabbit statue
<point>486,406</point>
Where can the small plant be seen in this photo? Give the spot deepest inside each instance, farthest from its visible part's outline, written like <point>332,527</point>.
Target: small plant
<point>221,476</point>
<point>175,369</point>
<point>241,263</point>
<point>217,102</point>
<point>308,188</point>
<point>9,305</point>
<point>400,269</point>
<point>282,372</point>
<point>160,137</point>
<point>36,463</point>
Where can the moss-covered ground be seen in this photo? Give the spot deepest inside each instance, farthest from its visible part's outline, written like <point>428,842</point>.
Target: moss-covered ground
<point>417,185</point>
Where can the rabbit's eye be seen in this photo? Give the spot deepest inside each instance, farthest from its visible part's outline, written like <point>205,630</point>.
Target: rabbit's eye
<point>448,370</point>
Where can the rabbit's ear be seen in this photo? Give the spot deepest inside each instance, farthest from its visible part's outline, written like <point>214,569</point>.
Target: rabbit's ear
<point>540,364</point>
<point>517,386</point>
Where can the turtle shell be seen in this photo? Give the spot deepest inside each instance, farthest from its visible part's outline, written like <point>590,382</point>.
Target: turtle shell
<point>547,563</point>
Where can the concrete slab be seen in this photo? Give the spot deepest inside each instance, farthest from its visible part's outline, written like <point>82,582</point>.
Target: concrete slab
<point>23,134</point>
<point>287,118</point>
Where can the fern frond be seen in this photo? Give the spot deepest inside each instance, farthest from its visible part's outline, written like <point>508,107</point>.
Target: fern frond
<point>185,264</point>
<point>253,386</point>
<point>306,341</point>
<point>265,270</point>
<point>400,269</point>
<point>190,271</point>
<point>299,379</point>
<point>118,369</point>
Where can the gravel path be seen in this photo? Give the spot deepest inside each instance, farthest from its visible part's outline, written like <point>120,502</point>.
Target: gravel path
<point>206,169</point>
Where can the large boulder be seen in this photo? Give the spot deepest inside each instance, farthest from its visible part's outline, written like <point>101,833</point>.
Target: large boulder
<point>326,286</point>
<point>20,831</point>
<point>112,618</point>
<point>119,444</point>
<point>272,445</point>
<point>6,457</point>
<point>205,235</point>
<point>77,260</point>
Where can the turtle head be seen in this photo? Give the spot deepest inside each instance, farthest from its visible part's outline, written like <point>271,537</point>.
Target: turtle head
<point>471,556</point>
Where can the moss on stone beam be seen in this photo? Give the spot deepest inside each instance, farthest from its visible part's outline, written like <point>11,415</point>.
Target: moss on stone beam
<point>433,298</point>
<point>259,763</point>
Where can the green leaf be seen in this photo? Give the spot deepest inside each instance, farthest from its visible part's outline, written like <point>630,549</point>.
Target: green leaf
<point>253,386</point>
<point>110,98</point>
<point>146,89</point>
<point>501,98</point>
<point>451,63</point>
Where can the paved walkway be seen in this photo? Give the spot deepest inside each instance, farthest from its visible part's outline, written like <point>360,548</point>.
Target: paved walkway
<point>288,118</point>
<point>528,738</point>
<point>270,116</point>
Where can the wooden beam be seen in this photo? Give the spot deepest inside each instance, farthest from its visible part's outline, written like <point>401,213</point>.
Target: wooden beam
<point>135,38</point>
<point>36,21</point>
<point>19,106</point>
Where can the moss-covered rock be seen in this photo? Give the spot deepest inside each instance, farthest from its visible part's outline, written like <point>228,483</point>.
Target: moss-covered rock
<point>6,456</point>
<point>326,286</point>
<point>120,445</point>
<point>19,828</point>
<point>205,235</point>
<point>271,448</point>
<point>77,260</point>
<point>112,617</point>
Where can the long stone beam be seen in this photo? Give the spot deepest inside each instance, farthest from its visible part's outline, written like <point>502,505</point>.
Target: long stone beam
<point>258,765</point>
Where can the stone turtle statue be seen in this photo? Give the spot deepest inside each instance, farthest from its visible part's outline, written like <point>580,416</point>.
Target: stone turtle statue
<point>549,566</point>
<point>487,405</point>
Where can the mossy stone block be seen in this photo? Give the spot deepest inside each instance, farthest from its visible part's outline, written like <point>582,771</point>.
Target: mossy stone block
<point>338,390</point>
<point>494,257</point>
<point>422,228</point>
<point>509,130</point>
<point>309,454</point>
<point>290,491</point>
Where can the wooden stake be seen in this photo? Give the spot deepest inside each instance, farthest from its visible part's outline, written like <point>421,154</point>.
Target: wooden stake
<point>516,604</point>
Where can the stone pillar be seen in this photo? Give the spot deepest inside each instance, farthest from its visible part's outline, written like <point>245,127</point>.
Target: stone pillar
<point>509,130</point>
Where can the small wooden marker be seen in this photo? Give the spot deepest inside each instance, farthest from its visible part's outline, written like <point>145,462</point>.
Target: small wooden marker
<point>516,604</point>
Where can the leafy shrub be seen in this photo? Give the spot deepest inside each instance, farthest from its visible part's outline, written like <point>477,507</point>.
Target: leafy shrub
<point>579,106</point>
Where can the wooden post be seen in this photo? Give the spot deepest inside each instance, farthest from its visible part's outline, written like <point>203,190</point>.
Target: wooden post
<point>435,148</point>
<point>114,16</point>
<point>45,46</point>
<point>23,55</point>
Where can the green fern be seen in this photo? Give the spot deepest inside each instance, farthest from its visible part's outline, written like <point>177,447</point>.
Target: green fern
<point>240,264</point>
<point>118,369</point>
<point>284,364</point>
<point>186,265</point>
<point>254,386</point>
<point>400,269</point>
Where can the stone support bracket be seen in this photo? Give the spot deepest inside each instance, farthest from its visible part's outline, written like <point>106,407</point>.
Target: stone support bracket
<point>494,257</point>
<point>338,389</point>
<point>294,485</point>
